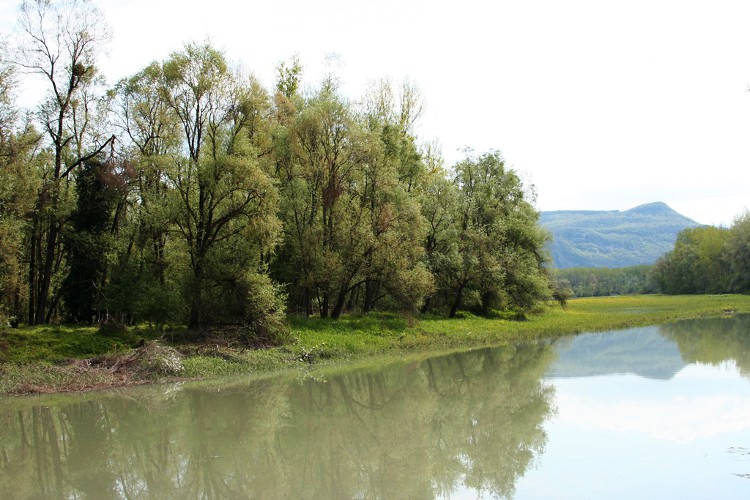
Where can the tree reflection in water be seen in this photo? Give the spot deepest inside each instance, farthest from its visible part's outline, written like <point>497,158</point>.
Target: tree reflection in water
<point>420,429</point>
<point>713,341</point>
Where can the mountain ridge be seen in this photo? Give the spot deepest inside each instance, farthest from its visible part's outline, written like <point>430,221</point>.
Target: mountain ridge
<point>613,238</point>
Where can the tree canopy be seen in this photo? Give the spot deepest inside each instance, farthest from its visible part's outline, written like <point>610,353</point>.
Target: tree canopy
<point>708,260</point>
<point>190,193</point>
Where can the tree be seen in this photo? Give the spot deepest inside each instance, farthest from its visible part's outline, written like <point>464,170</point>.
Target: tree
<point>89,241</point>
<point>393,173</point>
<point>493,253</point>
<point>224,204</point>
<point>288,77</point>
<point>697,264</point>
<point>319,215</point>
<point>60,42</point>
<point>439,198</point>
<point>18,183</point>
<point>353,231</point>
<point>738,254</point>
<point>143,286</point>
<point>600,281</point>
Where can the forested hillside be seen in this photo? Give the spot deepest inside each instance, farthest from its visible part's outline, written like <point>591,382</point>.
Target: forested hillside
<point>190,193</point>
<point>641,235</point>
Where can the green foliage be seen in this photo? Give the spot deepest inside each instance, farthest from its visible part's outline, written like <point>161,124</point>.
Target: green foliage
<point>265,310</point>
<point>602,281</point>
<point>485,249</point>
<point>89,241</point>
<point>18,184</point>
<point>738,254</point>
<point>225,206</point>
<point>288,77</point>
<point>353,233</point>
<point>134,294</point>
<point>561,290</point>
<point>60,42</point>
<point>699,262</point>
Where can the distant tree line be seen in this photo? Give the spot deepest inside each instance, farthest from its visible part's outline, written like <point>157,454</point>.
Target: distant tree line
<point>604,281</point>
<point>188,192</point>
<point>704,260</point>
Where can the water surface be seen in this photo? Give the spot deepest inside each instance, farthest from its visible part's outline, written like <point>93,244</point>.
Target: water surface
<point>659,412</point>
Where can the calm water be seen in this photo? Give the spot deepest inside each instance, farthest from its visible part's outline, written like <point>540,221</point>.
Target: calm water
<point>660,412</point>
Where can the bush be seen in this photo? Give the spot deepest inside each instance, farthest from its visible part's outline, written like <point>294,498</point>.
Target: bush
<point>265,310</point>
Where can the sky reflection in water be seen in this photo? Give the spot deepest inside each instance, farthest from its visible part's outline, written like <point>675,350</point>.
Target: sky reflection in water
<point>624,435</point>
<point>660,412</point>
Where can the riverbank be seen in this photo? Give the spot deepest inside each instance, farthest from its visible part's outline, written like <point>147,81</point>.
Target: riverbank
<point>63,358</point>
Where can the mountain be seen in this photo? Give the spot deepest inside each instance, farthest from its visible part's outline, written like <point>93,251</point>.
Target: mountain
<point>589,238</point>
<point>639,351</point>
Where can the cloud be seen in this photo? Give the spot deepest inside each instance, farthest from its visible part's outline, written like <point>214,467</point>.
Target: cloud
<point>700,402</point>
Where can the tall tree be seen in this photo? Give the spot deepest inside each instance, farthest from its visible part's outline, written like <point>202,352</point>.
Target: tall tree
<point>318,212</point>
<point>88,242</point>
<point>353,232</point>
<point>142,286</point>
<point>393,174</point>
<point>495,255</point>
<point>18,184</point>
<point>439,198</point>
<point>59,42</point>
<point>738,254</point>
<point>698,263</point>
<point>224,203</point>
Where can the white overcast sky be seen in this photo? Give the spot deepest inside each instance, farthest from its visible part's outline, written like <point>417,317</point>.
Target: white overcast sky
<point>602,105</point>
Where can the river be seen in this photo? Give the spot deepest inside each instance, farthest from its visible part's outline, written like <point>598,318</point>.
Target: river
<point>656,412</point>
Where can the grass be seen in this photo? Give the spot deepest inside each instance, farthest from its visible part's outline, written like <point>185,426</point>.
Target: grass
<point>57,358</point>
<point>386,332</point>
<point>54,343</point>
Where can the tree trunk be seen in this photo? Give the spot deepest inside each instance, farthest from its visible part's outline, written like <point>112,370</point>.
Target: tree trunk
<point>32,272</point>
<point>340,302</point>
<point>194,321</point>
<point>456,302</point>
<point>371,291</point>
<point>46,277</point>
<point>196,298</point>
<point>353,298</point>
<point>426,306</point>
<point>487,299</point>
<point>324,305</point>
<point>308,302</point>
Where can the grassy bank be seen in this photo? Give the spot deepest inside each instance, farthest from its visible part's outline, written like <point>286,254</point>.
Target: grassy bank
<point>61,358</point>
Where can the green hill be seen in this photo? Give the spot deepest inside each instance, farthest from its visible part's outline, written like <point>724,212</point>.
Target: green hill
<point>640,351</point>
<point>587,238</point>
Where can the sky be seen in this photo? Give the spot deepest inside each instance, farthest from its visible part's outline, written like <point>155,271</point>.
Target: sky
<point>601,105</point>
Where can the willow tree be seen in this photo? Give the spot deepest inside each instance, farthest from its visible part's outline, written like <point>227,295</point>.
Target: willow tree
<point>698,263</point>
<point>223,203</point>
<point>352,231</point>
<point>488,249</point>
<point>143,285</point>
<point>393,173</point>
<point>318,212</point>
<point>59,41</point>
<point>738,253</point>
